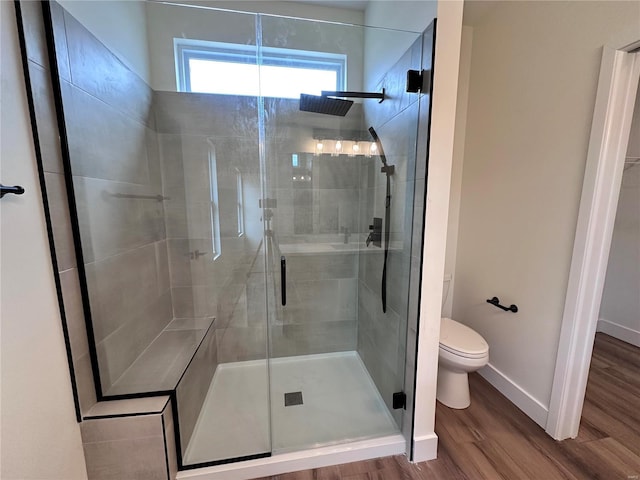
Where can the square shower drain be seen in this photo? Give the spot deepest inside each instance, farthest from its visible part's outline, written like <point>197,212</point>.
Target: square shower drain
<point>292,398</point>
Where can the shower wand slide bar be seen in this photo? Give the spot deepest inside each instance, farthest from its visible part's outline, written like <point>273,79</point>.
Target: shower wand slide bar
<point>381,96</point>
<point>495,301</point>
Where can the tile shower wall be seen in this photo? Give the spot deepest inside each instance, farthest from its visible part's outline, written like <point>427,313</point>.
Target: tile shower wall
<point>382,337</point>
<point>201,135</point>
<point>316,227</point>
<point>49,144</point>
<point>321,312</point>
<point>108,442</point>
<point>115,160</point>
<point>194,385</point>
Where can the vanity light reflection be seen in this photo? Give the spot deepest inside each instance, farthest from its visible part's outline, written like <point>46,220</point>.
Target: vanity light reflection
<point>340,146</point>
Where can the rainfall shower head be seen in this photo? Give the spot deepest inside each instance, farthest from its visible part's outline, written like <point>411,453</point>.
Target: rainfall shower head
<point>326,105</point>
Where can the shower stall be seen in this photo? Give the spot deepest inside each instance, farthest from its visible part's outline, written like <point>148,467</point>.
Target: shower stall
<point>239,249</point>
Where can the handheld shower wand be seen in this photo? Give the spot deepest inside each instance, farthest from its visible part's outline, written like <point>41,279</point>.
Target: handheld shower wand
<point>388,170</point>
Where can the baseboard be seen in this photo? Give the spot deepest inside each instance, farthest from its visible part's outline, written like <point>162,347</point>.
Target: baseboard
<point>520,398</point>
<point>620,332</point>
<point>425,448</point>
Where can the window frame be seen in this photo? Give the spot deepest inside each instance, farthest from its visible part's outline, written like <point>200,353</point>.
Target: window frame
<point>187,49</point>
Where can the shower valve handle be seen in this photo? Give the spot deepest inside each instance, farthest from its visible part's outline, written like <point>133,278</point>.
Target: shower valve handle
<point>375,236</point>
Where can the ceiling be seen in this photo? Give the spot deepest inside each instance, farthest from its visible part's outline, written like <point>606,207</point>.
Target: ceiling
<point>359,5</point>
<point>474,10</point>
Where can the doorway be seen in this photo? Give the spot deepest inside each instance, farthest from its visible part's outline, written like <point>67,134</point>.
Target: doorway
<point>617,89</point>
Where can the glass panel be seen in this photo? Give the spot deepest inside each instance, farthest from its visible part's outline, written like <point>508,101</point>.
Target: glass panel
<point>167,186</point>
<point>335,357</point>
<point>192,208</point>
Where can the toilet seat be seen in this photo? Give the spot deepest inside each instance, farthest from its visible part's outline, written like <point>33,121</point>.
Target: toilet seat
<point>461,340</point>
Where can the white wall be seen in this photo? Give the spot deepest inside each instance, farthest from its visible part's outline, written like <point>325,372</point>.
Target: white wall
<point>456,171</point>
<point>620,307</point>
<point>40,437</point>
<point>534,72</point>
<point>383,49</point>
<point>441,151</point>
<point>119,24</point>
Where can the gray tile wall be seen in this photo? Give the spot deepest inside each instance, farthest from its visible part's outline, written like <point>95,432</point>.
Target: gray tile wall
<point>382,337</point>
<point>170,442</point>
<point>231,287</point>
<point>320,315</point>
<point>108,443</point>
<point>194,385</point>
<point>114,155</point>
<point>49,144</point>
<point>193,128</point>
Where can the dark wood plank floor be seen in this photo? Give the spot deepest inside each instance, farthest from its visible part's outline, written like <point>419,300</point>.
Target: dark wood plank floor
<point>493,440</point>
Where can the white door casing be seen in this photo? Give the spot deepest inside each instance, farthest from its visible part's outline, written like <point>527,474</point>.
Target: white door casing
<point>615,98</point>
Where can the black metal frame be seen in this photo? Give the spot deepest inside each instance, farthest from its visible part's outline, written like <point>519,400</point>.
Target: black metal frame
<point>73,210</point>
<point>45,204</point>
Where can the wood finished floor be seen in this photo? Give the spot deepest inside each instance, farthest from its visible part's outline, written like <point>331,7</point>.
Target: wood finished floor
<point>494,440</point>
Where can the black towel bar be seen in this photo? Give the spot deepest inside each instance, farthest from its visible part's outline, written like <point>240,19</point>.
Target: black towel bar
<point>495,301</point>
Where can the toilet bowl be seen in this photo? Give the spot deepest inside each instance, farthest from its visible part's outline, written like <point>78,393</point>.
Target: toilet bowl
<point>462,350</point>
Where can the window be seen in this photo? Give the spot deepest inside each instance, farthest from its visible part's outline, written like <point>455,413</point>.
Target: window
<point>214,210</point>
<point>230,69</point>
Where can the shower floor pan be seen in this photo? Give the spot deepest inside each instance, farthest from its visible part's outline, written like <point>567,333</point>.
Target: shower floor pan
<point>332,400</point>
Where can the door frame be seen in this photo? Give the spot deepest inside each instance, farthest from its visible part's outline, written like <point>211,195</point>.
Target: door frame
<point>610,129</point>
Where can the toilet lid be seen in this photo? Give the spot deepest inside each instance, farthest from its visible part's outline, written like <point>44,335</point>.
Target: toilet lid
<point>461,340</point>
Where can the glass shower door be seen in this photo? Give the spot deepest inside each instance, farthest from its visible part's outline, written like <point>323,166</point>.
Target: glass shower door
<point>168,180</point>
<point>336,358</point>
<point>210,140</point>
<point>225,234</point>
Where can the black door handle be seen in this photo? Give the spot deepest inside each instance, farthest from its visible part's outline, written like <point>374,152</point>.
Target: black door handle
<point>16,190</point>
<point>283,280</point>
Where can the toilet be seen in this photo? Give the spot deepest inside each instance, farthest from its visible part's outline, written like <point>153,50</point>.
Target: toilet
<point>462,350</point>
